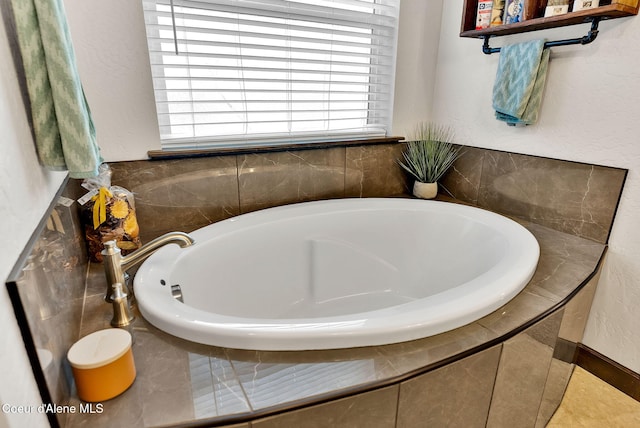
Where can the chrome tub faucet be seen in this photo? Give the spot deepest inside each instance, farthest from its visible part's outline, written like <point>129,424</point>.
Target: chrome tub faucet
<point>115,264</point>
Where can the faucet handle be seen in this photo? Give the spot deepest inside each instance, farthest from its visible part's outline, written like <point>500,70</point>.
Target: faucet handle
<point>122,315</point>
<point>110,248</point>
<point>111,259</point>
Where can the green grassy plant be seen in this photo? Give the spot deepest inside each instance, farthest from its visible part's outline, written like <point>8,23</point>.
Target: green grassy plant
<point>429,154</point>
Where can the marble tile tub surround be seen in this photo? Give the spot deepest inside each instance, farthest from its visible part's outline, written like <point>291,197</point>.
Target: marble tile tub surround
<point>572,197</point>
<point>456,395</point>
<point>186,194</point>
<point>180,382</point>
<point>368,171</point>
<point>48,288</point>
<point>570,331</point>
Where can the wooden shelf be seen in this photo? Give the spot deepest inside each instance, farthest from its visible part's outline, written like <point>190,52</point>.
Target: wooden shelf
<point>617,9</point>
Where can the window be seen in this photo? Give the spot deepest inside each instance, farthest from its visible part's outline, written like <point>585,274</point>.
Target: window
<point>264,72</point>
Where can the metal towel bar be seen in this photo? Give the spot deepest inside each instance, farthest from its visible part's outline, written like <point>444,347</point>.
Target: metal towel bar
<point>590,37</point>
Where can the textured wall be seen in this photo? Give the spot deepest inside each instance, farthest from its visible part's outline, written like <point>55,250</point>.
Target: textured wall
<point>589,114</point>
<point>111,48</point>
<point>416,63</point>
<point>25,193</point>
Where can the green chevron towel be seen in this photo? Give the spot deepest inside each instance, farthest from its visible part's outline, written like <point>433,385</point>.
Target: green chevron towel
<point>517,91</point>
<point>64,132</point>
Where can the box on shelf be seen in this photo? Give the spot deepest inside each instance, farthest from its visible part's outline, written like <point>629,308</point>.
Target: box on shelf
<point>483,16</point>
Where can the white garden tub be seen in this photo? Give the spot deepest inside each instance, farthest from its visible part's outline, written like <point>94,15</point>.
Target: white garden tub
<point>337,274</point>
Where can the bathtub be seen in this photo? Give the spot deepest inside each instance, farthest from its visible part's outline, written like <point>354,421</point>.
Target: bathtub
<point>336,274</point>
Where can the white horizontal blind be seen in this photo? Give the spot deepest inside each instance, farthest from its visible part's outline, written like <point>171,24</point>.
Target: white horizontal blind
<point>243,72</point>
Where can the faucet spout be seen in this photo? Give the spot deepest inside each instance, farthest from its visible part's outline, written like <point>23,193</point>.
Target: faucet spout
<point>138,256</point>
<point>115,264</point>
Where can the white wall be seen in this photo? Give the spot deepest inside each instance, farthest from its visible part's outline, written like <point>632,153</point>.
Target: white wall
<point>26,191</point>
<point>418,39</point>
<point>111,48</point>
<point>589,114</point>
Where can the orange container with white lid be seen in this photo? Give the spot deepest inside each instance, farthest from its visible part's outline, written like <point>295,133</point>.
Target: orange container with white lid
<point>102,364</point>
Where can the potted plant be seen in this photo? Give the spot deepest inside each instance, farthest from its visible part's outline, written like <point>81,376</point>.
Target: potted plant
<point>428,156</point>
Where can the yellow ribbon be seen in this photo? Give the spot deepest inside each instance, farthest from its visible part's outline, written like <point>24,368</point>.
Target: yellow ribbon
<point>100,207</point>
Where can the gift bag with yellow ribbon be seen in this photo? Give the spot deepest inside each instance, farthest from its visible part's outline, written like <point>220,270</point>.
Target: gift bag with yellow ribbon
<point>108,213</point>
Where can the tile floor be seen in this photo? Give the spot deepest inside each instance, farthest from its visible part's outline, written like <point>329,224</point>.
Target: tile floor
<point>592,403</point>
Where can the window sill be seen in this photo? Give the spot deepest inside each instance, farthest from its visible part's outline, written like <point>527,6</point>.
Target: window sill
<point>181,154</point>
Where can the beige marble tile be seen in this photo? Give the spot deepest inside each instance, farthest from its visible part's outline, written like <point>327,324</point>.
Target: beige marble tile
<point>177,381</point>
<point>576,312</point>
<point>375,409</point>
<point>457,395</point>
<point>96,280</point>
<point>523,308</point>
<point>215,388</point>
<point>592,403</point>
<point>166,378</point>
<point>97,316</point>
<point>50,286</point>
<point>546,331</point>
<point>272,378</point>
<point>373,171</point>
<point>557,380</point>
<point>462,181</point>
<point>563,258</point>
<point>574,320</point>
<point>182,194</point>
<point>271,179</point>
<point>126,407</point>
<point>522,375</point>
<point>559,243</point>
<point>563,270</point>
<point>409,356</point>
<point>572,197</point>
